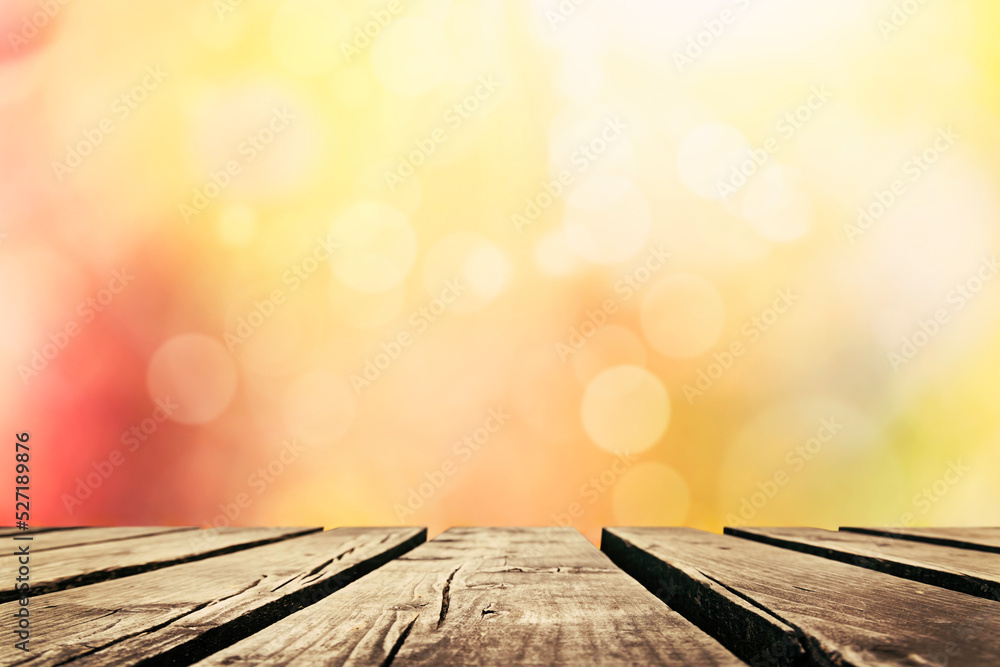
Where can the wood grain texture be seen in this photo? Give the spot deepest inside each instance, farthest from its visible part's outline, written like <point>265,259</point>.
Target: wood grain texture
<point>979,539</point>
<point>59,539</point>
<point>179,614</point>
<point>90,563</point>
<point>838,614</point>
<point>8,531</point>
<point>486,596</point>
<point>960,570</point>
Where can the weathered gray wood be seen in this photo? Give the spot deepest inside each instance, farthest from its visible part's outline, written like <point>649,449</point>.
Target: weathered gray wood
<point>486,596</point>
<point>8,531</point>
<point>90,563</point>
<point>971,572</point>
<point>980,539</point>
<point>60,539</point>
<point>749,595</point>
<point>179,614</point>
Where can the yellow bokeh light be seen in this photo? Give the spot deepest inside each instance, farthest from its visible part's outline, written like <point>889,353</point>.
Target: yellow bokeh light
<point>306,36</point>
<point>479,268</point>
<point>411,56</point>
<point>625,409</point>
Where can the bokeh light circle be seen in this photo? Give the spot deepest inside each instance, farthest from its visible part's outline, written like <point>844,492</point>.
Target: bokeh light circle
<point>306,36</point>
<point>196,372</point>
<point>625,409</point>
<point>473,263</point>
<point>411,56</point>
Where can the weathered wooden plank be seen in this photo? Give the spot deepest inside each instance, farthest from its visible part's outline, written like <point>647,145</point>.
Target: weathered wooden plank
<point>60,539</point>
<point>90,563</point>
<point>980,539</point>
<point>971,572</point>
<point>487,596</point>
<point>750,595</point>
<point>180,614</point>
<point>9,531</point>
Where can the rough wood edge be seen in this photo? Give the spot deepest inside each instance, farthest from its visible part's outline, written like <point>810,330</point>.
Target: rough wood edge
<point>255,620</point>
<point>87,578</point>
<point>751,633</point>
<point>925,574</point>
<point>929,539</point>
<point>167,530</point>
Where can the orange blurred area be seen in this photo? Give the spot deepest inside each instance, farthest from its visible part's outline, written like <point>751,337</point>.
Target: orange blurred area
<point>445,262</point>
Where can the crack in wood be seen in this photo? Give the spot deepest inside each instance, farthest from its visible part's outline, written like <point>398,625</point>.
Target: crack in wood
<point>159,627</point>
<point>446,596</point>
<point>341,555</point>
<point>399,643</point>
<point>317,571</point>
<point>145,631</point>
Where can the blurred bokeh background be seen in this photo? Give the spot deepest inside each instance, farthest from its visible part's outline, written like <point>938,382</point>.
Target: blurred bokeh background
<point>448,262</point>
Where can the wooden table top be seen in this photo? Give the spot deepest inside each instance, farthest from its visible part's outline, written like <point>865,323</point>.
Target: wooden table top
<point>505,596</point>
